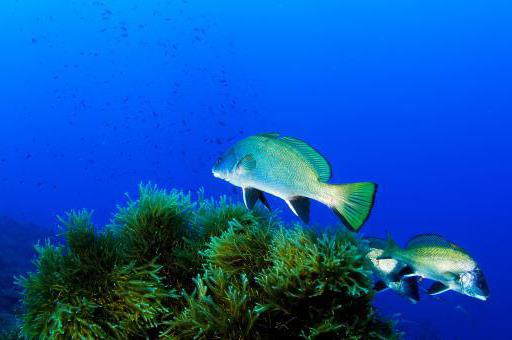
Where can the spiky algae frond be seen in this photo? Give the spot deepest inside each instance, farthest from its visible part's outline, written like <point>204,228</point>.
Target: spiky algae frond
<point>85,289</point>
<point>264,281</point>
<point>240,274</point>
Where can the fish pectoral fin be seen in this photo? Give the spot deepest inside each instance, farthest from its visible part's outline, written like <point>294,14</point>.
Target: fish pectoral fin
<point>252,195</point>
<point>300,207</point>
<point>247,163</point>
<point>407,271</point>
<point>411,289</point>
<point>380,286</point>
<point>451,276</point>
<point>437,288</point>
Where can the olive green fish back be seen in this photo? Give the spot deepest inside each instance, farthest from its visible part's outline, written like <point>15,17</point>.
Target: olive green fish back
<point>305,151</point>
<point>432,240</point>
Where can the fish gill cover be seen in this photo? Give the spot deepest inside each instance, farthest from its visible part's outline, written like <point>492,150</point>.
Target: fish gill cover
<point>172,267</point>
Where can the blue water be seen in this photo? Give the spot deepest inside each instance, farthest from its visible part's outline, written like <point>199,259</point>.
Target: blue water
<point>98,96</point>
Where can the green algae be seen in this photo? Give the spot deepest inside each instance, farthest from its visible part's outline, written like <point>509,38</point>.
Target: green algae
<point>169,266</point>
<point>87,289</point>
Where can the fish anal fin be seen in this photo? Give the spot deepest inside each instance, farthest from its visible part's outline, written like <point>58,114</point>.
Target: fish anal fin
<point>300,207</point>
<point>437,288</point>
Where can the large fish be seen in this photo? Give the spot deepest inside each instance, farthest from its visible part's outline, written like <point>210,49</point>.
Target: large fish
<point>289,168</point>
<point>434,258</point>
<point>388,271</point>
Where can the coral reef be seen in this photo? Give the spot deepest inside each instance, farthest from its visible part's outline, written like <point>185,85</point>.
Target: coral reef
<point>171,267</point>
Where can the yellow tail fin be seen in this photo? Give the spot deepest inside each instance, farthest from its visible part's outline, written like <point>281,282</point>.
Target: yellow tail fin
<point>353,203</point>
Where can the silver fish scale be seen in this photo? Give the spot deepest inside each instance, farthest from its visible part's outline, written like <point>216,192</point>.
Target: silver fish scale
<point>279,170</point>
<point>441,259</point>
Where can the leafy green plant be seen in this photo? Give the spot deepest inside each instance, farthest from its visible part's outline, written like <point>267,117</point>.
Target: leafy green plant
<point>262,280</point>
<point>171,267</point>
<point>220,307</point>
<point>85,288</point>
<point>153,227</point>
<point>210,218</point>
<point>241,248</point>
<point>319,285</point>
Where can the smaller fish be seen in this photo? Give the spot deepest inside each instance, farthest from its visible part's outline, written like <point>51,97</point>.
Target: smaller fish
<point>387,271</point>
<point>432,257</point>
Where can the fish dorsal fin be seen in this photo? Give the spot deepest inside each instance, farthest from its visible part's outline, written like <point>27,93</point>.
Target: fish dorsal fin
<point>427,240</point>
<point>313,157</point>
<point>432,240</point>
<point>268,135</point>
<point>377,243</point>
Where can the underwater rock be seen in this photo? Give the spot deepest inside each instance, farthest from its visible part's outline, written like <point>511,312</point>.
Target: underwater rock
<point>17,240</point>
<point>168,266</point>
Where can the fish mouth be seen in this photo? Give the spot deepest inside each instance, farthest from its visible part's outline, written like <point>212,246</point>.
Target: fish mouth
<point>217,174</point>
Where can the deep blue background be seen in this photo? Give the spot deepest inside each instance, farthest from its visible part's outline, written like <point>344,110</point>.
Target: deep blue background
<point>97,96</point>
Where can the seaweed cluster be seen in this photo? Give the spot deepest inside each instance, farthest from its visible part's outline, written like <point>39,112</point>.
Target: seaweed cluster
<point>171,267</point>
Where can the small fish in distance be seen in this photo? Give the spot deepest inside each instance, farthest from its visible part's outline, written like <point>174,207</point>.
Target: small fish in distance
<point>434,258</point>
<point>291,169</point>
<point>387,270</point>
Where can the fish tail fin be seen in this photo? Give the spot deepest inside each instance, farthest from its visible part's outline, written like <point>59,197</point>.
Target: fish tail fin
<point>390,249</point>
<point>353,202</point>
